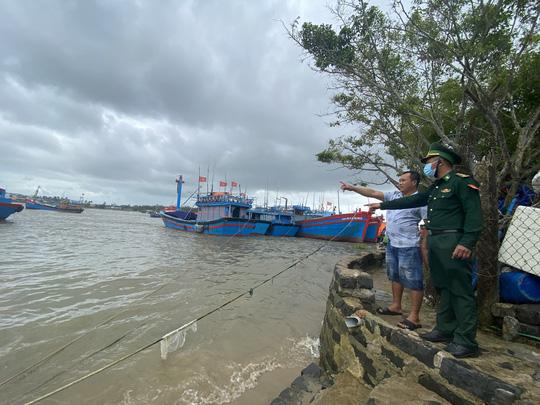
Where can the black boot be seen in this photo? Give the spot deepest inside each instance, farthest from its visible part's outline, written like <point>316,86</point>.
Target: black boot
<point>460,351</point>
<point>435,336</point>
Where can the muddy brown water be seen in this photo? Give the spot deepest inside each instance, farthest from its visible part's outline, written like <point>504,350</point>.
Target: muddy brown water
<point>61,275</point>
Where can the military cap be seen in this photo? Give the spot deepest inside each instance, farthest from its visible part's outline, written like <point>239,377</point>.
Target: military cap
<point>436,149</point>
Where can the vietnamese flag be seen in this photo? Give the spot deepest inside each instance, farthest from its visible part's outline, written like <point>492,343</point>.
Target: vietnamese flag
<point>202,179</point>
<point>222,183</point>
<point>234,184</point>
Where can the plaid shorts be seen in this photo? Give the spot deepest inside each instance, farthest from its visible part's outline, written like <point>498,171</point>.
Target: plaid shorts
<point>404,266</point>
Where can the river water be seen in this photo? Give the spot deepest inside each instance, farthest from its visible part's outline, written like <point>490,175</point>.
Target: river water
<point>106,283</point>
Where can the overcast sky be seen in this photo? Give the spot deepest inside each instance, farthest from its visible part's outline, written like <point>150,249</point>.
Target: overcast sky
<point>113,99</point>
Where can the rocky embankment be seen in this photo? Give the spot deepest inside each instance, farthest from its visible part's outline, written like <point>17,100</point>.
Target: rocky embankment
<point>376,362</point>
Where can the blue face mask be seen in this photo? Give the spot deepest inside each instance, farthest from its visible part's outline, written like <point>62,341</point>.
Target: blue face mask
<point>429,170</point>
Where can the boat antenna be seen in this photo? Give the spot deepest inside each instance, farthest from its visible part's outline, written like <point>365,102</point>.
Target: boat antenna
<point>338,206</point>
<point>199,184</point>
<point>213,171</point>
<point>207,177</point>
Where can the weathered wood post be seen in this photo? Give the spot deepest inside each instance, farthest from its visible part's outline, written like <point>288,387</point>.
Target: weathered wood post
<point>488,245</point>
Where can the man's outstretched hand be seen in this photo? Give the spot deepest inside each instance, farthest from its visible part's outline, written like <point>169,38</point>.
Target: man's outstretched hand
<point>373,206</point>
<point>346,186</point>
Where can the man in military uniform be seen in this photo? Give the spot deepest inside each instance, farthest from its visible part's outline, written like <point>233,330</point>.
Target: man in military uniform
<point>454,223</point>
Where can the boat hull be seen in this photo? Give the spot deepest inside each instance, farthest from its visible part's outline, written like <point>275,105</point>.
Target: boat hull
<point>220,227</point>
<point>33,205</point>
<point>283,230</point>
<point>38,206</point>
<point>343,227</point>
<point>372,232</point>
<point>7,208</point>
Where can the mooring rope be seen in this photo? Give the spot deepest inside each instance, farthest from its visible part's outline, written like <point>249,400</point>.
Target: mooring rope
<point>250,292</point>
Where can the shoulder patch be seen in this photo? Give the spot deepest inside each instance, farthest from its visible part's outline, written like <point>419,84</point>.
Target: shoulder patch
<point>463,175</point>
<point>473,186</point>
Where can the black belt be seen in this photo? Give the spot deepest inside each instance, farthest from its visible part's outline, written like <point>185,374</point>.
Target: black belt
<point>441,231</point>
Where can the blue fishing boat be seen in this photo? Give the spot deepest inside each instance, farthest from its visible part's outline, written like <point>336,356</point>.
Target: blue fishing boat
<point>219,213</point>
<point>63,206</point>
<point>7,206</point>
<point>38,205</point>
<point>351,227</point>
<point>281,220</point>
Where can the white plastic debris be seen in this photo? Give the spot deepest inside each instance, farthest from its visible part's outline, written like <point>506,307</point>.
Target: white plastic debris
<point>175,339</point>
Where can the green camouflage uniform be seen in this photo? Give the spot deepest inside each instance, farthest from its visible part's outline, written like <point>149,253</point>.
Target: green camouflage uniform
<point>453,204</point>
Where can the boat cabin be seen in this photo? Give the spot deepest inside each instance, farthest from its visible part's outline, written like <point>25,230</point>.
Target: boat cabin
<point>222,205</point>
<point>273,214</point>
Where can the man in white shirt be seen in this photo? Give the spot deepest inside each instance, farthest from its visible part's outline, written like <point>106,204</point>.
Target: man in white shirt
<point>403,254</point>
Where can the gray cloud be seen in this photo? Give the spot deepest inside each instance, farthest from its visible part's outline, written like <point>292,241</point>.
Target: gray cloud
<point>114,99</point>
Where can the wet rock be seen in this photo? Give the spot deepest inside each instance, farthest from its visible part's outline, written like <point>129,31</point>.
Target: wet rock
<point>313,371</point>
<point>305,387</point>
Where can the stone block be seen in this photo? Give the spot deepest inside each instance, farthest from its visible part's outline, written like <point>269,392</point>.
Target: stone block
<point>414,347</point>
<point>351,278</point>
<point>528,313</point>
<point>287,396</point>
<point>510,328</point>
<point>364,261</point>
<point>371,324</point>
<point>336,337</point>
<point>533,330</point>
<point>350,305</point>
<point>400,390</point>
<point>442,390</point>
<point>386,331</point>
<point>500,310</point>
<point>367,364</point>
<point>483,386</point>
<point>300,384</point>
<point>359,336</point>
<point>393,357</point>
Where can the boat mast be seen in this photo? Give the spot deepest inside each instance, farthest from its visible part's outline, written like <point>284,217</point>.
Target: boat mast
<point>179,182</point>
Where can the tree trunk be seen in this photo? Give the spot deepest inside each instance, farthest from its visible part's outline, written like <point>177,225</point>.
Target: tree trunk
<point>488,245</point>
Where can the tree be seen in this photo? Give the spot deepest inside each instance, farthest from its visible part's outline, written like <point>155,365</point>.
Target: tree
<point>462,72</point>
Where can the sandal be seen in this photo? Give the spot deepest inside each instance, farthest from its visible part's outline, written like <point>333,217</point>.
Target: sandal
<point>406,324</point>
<point>387,311</point>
